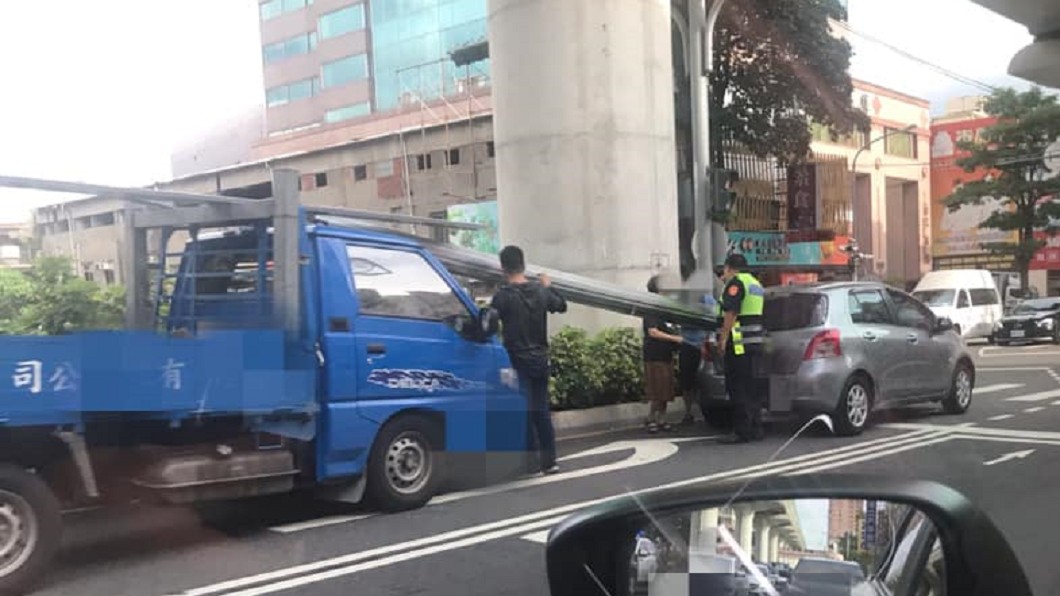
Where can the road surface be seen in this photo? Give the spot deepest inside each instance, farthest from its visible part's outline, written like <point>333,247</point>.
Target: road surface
<point>1004,454</point>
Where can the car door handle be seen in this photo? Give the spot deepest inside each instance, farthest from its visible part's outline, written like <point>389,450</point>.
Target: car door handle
<point>870,336</point>
<point>376,349</point>
<point>912,338</point>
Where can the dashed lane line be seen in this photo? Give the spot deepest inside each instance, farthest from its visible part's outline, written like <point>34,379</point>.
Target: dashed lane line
<point>1000,417</point>
<point>1034,409</point>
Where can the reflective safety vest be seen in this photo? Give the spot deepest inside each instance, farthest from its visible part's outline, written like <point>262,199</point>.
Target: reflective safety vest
<point>752,305</point>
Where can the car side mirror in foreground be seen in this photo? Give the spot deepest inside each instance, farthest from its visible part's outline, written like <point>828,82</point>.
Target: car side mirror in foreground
<point>730,538</point>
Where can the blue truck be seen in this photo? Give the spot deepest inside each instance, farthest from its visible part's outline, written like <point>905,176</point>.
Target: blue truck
<point>277,348</point>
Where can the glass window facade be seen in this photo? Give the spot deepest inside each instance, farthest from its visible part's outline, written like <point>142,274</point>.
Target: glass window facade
<point>282,94</point>
<point>347,112</point>
<point>344,70</point>
<point>299,44</point>
<point>410,33</point>
<point>275,8</point>
<point>342,21</point>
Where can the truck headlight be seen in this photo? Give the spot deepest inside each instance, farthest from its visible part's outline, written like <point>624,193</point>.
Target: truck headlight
<point>1045,323</point>
<point>510,378</point>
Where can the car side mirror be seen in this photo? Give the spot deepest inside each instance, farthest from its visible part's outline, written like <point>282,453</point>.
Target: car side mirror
<point>704,534</point>
<point>943,324</point>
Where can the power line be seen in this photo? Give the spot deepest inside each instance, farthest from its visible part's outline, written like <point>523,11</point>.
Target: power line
<point>905,54</point>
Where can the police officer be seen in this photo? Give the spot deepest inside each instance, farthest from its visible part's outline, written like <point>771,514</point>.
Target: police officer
<point>741,341</point>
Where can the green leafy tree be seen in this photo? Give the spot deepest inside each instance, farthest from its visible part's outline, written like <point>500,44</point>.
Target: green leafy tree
<point>1013,152</point>
<point>49,299</point>
<point>776,66</point>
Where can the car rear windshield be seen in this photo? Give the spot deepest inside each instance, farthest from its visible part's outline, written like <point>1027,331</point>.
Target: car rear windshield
<point>785,312</point>
<point>805,567</point>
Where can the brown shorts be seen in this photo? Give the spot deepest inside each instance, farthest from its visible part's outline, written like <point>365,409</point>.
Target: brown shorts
<point>659,381</point>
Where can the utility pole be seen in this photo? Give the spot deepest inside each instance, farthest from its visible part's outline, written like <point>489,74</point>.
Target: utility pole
<point>709,236</point>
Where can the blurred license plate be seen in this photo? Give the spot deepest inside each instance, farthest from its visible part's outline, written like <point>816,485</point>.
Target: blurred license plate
<point>1017,333</point>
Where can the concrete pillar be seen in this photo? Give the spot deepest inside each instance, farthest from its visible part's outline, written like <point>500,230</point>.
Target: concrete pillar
<point>763,541</point>
<point>774,547</point>
<point>704,532</point>
<point>584,131</point>
<point>746,527</point>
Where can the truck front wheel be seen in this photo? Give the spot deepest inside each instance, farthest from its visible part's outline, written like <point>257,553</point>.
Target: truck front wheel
<point>404,466</point>
<point>30,528</point>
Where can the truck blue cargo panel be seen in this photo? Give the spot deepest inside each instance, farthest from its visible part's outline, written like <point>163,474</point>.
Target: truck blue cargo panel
<point>47,380</point>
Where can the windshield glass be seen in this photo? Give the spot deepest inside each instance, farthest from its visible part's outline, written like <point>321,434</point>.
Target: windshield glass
<point>936,297</point>
<point>785,312</point>
<point>368,296</point>
<point>1028,307</point>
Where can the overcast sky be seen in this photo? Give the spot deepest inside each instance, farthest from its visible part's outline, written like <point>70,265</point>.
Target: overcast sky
<point>102,90</point>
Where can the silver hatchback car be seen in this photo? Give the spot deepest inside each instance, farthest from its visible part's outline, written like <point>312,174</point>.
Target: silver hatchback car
<point>847,349</point>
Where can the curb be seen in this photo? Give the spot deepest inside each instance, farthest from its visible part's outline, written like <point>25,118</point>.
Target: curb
<point>571,423</point>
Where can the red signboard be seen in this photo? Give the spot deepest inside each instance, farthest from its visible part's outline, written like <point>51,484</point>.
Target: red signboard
<point>802,197</point>
<point>1048,256</point>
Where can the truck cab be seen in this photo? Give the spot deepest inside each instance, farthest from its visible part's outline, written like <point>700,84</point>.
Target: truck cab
<point>409,364</point>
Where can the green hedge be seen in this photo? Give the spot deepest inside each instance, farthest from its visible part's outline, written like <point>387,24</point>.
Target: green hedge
<point>595,371</point>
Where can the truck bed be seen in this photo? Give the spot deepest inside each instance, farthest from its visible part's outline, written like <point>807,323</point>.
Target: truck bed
<point>66,379</point>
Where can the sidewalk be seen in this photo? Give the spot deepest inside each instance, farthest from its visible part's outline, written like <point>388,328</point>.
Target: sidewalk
<point>572,423</point>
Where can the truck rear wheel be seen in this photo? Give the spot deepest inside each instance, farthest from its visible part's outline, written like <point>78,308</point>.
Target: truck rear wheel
<point>404,466</point>
<point>30,528</point>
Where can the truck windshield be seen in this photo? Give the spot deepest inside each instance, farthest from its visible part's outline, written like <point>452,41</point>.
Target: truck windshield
<point>935,297</point>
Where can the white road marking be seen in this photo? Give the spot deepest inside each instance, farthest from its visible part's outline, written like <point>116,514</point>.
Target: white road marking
<point>1055,403</point>
<point>319,522</point>
<point>1010,352</point>
<point>398,558</point>
<point>1034,409</point>
<point>645,451</point>
<point>513,526</point>
<point>996,388</point>
<point>1039,396</point>
<point>940,438</point>
<point>1001,417</point>
<point>539,537</point>
<point>982,431</point>
<point>510,531</point>
<point>1009,457</point>
<point>1053,442</point>
<point>1012,369</point>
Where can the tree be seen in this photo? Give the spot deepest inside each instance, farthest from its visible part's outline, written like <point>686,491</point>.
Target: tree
<point>49,299</point>
<point>1012,151</point>
<point>777,66</point>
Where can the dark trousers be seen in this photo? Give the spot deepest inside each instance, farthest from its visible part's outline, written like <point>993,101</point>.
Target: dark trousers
<point>540,433</point>
<point>745,388</point>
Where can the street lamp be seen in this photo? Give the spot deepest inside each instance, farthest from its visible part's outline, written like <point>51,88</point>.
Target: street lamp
<point>854,175</point>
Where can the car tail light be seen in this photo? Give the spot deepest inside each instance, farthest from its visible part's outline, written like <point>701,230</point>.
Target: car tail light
<point>824,345</point>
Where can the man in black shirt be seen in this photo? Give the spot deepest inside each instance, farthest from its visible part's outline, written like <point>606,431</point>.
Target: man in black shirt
<point>660,342</point>
<point>523,306</point>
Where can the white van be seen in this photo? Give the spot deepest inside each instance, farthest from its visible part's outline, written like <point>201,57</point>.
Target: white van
<point>968,297</point>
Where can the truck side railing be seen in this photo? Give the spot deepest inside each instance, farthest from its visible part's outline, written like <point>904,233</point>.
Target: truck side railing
<point>166,211</point>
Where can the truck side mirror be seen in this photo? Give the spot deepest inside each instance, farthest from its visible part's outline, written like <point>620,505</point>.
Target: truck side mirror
<point>489,322</point>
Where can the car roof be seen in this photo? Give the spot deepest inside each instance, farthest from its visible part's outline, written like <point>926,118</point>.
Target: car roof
<point>828,286</point>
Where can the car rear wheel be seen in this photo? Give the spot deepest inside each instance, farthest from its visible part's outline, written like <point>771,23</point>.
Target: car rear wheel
<point>960,395</point>
<point>1056,333</point>
<point>855,402</point>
